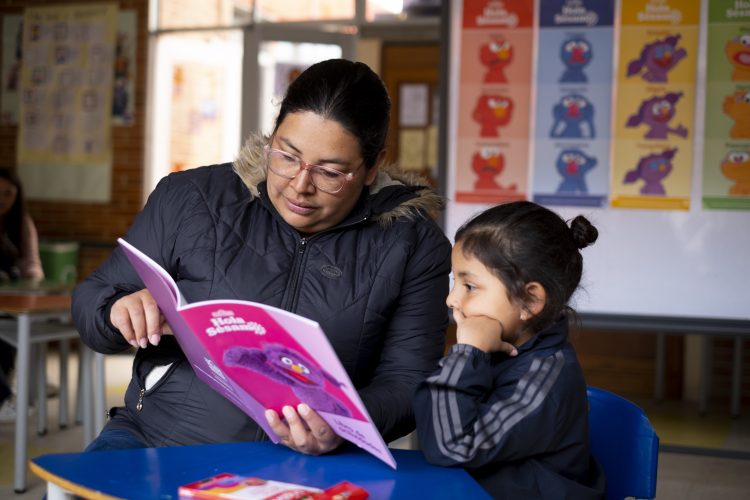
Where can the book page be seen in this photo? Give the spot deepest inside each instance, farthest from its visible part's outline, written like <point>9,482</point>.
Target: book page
<point>261,357</point>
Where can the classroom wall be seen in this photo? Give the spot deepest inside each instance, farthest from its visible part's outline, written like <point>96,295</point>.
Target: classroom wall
<point>95,225</point>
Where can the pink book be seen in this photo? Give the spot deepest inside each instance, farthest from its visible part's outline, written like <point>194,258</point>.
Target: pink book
<point>260,357</point>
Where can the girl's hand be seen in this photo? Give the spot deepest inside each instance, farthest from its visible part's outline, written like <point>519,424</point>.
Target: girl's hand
<point>139,319</point>
<point>483,333</point>
<point>304,430</point>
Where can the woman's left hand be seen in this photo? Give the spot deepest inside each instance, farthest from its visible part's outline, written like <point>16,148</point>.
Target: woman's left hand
<point>304,430</point>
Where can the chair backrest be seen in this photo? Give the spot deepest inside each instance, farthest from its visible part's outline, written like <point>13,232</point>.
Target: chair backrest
<point>624,443</point>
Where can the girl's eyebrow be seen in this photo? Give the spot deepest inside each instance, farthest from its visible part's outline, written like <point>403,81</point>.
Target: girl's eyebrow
<point>464,274</point>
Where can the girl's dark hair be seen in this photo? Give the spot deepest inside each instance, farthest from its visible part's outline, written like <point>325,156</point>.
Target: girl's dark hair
<point>347,92</point>
<point>13,220</point>
<point>521,242</point>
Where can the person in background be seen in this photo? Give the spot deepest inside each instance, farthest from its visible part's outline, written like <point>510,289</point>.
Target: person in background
<point>308,220</point>
<point>518,423</point>
<point>19,259</point>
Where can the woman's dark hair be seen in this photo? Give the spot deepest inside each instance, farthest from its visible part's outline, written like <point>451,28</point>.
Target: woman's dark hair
<point>13,219</point>
<point>347,92</point>
<point>521,242</point>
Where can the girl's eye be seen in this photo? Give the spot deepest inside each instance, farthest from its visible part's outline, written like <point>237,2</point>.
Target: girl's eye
<point>469,287</point>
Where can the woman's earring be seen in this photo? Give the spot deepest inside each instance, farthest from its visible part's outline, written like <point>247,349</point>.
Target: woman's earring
<point>524,315</point>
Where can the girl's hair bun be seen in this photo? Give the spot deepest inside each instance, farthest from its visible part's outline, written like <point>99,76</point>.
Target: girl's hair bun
<point>583,232</point>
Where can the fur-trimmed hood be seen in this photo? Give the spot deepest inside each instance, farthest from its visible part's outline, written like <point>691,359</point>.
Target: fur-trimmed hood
<point>250,166</point>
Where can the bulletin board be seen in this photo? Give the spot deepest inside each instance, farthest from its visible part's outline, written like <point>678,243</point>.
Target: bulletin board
<point>686,262</point>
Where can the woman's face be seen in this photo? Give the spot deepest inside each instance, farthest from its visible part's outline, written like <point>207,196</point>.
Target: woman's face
<point>8,193</point>
<point>317,141</point>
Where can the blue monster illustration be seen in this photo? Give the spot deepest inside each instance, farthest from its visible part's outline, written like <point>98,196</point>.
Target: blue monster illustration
<point>656,113</point>
<point>652,169</point>
<point>289,367</point>
<point>570,115</point>
<point>657,59</point>
<point>576,54</point>
<point>573,165</point>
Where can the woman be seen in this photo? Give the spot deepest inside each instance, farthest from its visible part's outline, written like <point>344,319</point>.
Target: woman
<point>305,220</point>
<point>19,259</point>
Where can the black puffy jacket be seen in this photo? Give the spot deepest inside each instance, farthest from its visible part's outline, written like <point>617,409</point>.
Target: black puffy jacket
<point>376,283</point>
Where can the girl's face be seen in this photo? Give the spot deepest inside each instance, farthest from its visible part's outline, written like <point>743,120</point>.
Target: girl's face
<point>317,141</point>
<point>8,193</point>
<point>478,292</point>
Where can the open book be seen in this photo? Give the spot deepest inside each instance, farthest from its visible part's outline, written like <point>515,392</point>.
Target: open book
<point>261,357</point>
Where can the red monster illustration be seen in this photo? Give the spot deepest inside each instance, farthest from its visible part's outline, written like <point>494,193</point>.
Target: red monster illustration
<point>488,163</point>
<point>491,112</point>
<point>496,55</point>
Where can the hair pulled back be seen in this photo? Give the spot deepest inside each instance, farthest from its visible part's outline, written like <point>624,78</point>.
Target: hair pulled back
<point>521,242</point>
<point>345,91</point>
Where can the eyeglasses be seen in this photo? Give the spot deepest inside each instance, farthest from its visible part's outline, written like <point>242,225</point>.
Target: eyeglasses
<point>287,165</point>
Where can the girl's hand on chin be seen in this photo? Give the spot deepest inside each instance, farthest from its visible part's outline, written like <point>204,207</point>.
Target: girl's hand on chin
<point>482,332</point>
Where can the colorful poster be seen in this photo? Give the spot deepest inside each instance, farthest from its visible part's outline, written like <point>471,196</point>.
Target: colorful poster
<point>64,136</point>
<point>11,72</point>
<point>654,111</point>
<point>574,82</point>
<point>496,50</point>
<point>123,90</point>
<point>726,154</point>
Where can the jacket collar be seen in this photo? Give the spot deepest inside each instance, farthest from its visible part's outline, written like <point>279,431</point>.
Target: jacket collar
<point>393,195</point>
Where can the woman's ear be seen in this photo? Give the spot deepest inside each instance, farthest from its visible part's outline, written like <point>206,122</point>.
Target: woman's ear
<point>373,172</point>
<point>537,297</point>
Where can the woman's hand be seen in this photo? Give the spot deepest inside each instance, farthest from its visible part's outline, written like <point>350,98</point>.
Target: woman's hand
<point>304,430</point>
<point>139,319</point>
<point>483,333</point>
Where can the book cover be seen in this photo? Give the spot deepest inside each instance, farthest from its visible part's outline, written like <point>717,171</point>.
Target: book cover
<point>260,357</point>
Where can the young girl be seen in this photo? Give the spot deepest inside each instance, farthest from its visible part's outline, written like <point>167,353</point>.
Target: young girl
<point>509,403</point>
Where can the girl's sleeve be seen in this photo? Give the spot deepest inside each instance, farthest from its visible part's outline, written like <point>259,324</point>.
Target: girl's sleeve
<point>29,264</point>
<point>464,420</point>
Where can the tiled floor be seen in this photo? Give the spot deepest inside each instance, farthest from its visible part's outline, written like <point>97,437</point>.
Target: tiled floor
<point>681,476</point>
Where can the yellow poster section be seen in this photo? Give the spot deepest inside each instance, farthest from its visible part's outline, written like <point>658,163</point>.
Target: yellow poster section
<point>64,143</point>
<point>654,108</point>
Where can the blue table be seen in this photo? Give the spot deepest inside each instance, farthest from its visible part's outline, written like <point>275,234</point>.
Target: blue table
<point>158,472</point>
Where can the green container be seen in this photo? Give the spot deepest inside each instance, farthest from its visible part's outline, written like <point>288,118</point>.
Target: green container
<point>59,261</point>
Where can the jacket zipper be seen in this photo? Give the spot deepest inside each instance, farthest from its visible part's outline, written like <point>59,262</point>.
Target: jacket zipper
<point>142,393</point>
<point>296,273</point>
<point>297,269</point>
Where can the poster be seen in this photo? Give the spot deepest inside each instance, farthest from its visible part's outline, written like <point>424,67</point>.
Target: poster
<point>726,154</point>
<point>492,147</point>
<point>654,111</point>
<point>123,85</point>
<point>573,102</point>
<point>64,136</point>
<point>11,72</point>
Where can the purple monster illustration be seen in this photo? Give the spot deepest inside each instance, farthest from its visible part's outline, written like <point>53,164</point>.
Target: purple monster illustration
<point>652,169</point>
<point>289,367</point>
<point>657,59</point>
<point>656,113</point>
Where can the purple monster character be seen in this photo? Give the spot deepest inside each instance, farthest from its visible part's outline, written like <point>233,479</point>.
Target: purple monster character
<point>289,367</point>
<point>657,59</point>
<point>656,113</point>
<point>652,169</point>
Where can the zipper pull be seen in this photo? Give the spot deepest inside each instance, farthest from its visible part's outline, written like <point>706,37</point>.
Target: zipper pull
<point>302,243</point>
<point>139,405</point>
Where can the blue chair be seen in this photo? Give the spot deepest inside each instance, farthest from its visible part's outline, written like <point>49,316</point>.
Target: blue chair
<point>624,443</point>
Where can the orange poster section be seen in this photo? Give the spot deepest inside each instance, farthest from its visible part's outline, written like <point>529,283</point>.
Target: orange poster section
<point>495,54</point>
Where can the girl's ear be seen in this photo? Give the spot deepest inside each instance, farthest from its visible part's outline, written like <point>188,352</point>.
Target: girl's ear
<point>537,297</point>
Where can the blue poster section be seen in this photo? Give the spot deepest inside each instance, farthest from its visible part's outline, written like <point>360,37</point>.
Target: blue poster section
<point>574,87</point>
